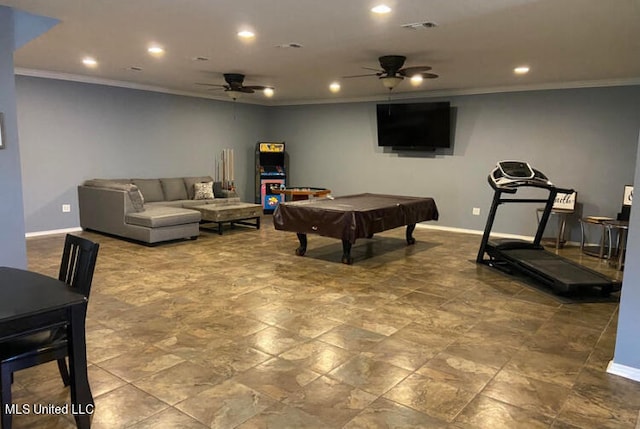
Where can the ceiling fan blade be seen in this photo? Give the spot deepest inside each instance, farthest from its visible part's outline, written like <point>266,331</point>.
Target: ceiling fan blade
<point>362,75</point>
<point>412,71</point>
<point>245,89</point>
<point>210,84</point>
<point>257,87</point>
<point>428,75</point>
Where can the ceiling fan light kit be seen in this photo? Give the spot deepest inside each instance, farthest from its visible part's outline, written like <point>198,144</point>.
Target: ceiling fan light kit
<point>390,82</point>
<point>393,73</point>
<point>235,87</point>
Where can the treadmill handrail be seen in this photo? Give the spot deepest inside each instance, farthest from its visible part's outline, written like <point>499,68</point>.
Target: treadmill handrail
<point>512,186</point>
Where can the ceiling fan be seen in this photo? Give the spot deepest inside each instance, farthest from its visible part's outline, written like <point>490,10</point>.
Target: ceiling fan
<point>392,72</point>
<point>235,87</point>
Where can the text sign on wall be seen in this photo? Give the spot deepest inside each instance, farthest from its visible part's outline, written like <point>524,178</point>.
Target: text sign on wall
<point>628,195</point>
<point>565,201</point>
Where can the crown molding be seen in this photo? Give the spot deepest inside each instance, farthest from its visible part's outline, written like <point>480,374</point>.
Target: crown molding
<point>396,96</point>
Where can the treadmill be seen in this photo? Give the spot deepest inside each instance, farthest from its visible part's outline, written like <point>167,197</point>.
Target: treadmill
<point>530,258</point>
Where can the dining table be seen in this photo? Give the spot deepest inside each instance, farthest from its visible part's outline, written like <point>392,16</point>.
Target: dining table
<point>31,302</point>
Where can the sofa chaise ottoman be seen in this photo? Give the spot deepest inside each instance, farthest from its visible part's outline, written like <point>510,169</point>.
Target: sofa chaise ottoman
<point>148,210</point>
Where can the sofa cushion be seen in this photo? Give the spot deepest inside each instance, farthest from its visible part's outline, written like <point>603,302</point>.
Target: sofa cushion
<point>190,181</point>
<point>151,189</point>
<point>159,216</point>
<point>174,189</point>
<point>135,195</point>
<point>203,191</point>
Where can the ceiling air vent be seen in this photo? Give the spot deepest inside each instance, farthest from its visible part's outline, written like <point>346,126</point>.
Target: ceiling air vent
<point>290,45</point>
<point>419,25</point>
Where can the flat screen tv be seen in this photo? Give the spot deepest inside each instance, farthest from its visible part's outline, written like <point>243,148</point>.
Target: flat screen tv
<point>414,125</point>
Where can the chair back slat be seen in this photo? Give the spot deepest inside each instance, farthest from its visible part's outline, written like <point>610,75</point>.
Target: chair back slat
<point>78,263</point>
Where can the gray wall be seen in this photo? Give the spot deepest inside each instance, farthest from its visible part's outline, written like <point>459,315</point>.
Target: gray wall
<point>627,345</point>
<point>585,138</point>
<point>580,138</point>
<point>12,245</point>
<point>71,131</point>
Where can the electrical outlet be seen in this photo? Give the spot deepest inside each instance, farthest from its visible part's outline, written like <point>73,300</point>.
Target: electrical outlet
<point>476,211</point>
<point>66,208</point>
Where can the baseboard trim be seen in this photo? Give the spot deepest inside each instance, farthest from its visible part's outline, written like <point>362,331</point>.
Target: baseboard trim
<point>472,231</point>
<point>52,232</point>
<point>419,225</point>
<point>493,234</point>
<point>624,371</point>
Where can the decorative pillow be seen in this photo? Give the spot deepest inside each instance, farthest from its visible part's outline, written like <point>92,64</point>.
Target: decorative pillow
<point>137,200</point>
<point>190,181</point>
<point>203,191</point>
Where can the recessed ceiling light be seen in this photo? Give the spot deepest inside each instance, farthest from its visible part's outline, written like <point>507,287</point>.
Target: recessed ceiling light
<point>416,80</point>
<point>268,92</point>
<point>381,9</point>
<point>156,50</point>
<point>334,87</point>
<point>521,70</point>
<point>246,34</point>
<point>89,62</point>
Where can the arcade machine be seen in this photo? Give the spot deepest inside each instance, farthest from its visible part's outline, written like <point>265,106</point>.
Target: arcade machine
<point>271,174</point>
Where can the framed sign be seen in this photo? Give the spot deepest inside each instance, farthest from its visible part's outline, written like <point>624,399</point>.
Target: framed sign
<point>2,130</point>
<point>627,198</point>
<point>565,201</point>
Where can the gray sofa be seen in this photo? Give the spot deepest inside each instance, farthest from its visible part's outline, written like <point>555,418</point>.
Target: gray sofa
<point>148,210</point>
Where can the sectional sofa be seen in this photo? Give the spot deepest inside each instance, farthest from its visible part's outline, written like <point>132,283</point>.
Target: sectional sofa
<point>148,210</point>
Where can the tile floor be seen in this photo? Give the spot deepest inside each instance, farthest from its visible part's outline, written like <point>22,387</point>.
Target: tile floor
<point>235,331</point>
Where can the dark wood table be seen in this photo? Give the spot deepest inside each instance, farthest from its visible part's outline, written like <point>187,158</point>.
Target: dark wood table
<point>351,217</point>
<point>31,302</point>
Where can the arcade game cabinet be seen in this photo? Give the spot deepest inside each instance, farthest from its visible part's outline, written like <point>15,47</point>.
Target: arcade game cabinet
<point>271,174</point>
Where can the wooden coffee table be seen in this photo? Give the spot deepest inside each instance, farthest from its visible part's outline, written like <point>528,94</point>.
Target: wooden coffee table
<point>234,214</point>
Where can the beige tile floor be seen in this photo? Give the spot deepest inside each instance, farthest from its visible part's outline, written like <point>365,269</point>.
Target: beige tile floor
<point>235,331</point>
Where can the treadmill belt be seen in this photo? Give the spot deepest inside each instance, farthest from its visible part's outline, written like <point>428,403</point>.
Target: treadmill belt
<point>555,267</point>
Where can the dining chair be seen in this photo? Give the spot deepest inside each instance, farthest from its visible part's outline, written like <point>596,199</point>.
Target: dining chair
<point>76,270</point>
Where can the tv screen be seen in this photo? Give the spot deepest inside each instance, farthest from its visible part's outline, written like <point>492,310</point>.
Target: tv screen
<point>414,125</point>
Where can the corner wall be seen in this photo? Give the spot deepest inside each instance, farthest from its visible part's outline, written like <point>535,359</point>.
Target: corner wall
<point>12,245</point>
<point>626,361</point>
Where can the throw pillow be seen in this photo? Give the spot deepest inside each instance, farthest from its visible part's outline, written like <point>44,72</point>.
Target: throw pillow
<point>203,191</point>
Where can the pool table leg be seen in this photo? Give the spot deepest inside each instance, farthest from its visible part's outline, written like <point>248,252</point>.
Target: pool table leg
<point>409,234</point>
<point>302,238</point>
<point>346,252</point>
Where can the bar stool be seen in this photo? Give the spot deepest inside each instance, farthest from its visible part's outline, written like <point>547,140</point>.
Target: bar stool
<point>602,250</point>
<point>562,224</point>
<point>563,206</point>
<point>616,255</point>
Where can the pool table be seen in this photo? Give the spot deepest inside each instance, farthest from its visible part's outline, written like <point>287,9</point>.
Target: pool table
<point>351,217</point>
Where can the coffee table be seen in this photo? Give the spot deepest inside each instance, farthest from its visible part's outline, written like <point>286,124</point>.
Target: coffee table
<point>234,214</point>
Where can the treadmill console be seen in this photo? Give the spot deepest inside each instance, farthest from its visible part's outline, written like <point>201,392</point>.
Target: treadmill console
<point>516,170</point>
<point>511,174</point>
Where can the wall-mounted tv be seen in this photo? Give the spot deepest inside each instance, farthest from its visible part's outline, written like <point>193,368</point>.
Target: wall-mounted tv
<point>414,125</point>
